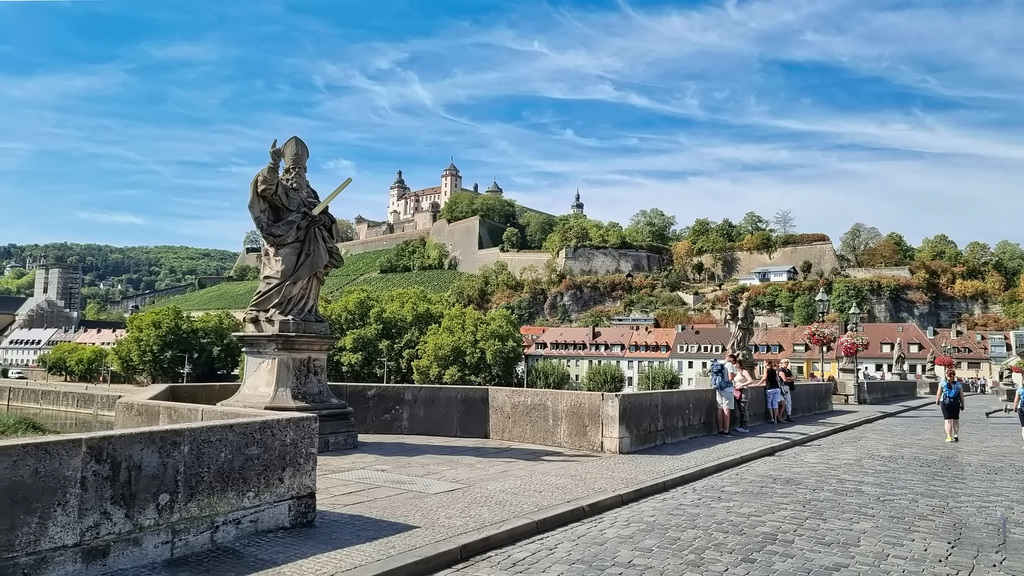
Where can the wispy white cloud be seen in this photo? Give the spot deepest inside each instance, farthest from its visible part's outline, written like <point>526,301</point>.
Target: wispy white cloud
<point>101,217</point>
<point>872,110</point>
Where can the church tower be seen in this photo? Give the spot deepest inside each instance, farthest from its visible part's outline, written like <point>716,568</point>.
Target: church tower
<point>398,189</point>
<point>576,207</point>
<point>451,182</point>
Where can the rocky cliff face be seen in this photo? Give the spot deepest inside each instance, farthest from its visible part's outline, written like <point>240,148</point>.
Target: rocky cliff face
<point>938,313</point>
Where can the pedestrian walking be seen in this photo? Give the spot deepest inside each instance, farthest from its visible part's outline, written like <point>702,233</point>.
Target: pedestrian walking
<point>1018,407</point>
<point>787,385</point>
<point>772,394</point>
<point>950,398</point>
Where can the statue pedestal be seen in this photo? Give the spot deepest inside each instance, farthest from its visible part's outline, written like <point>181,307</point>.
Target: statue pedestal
<point>287,371</point>
<point>847,381</point>
<point>1006,391</point>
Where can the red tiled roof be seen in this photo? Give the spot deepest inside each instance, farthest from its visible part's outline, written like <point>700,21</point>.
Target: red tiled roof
<point>532,330</point>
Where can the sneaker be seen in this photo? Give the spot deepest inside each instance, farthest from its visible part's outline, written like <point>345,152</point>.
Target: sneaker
<point>726,434</point>
<point>948,439</point>
<point>742,430</point>
<point>788,419</point>
<point>719,433</point>
<point>956,438</point>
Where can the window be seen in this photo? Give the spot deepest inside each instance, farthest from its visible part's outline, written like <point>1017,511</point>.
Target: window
<point>664,348</point>
<point>704,365</point>
<point>629,365</point>
<point>679,366</point>
<point>591,363</point>
<point>577,362</point>
<point>577,377</point>
<point>617,348</point>
<point>753,348</point>
<point>718,348</point>
<point>775,348</point>
<point>693,348</point>
<point>974,365</point>
<point>629,381</point>
<point>618,363</point>
<point>705,349</point>
<point>878,367</point>
<point>682,348</point>
<point>643,347</point>
<point>763,348</point>
<point>690,364</point>
<point>800,347</point>
<point>632,347</point>
<point>914,347</point>
<point>887,347</point>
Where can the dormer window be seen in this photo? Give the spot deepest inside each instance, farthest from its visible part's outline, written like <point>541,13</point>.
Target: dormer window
<point>775,348</point>
<point>693,348</point>
<point>718,348</point>
<point>763,348</point>
<point>704,349</point>
<point>682,348</point>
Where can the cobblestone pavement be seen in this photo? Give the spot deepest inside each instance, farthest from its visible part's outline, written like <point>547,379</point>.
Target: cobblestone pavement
<point>890,497</point>
<point>398,493</point>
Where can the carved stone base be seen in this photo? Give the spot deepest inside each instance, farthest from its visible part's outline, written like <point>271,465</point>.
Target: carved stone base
<point>288,372</point>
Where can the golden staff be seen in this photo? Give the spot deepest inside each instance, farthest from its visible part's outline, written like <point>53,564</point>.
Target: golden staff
<point>320,207</point>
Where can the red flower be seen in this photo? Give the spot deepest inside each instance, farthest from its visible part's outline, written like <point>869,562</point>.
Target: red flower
<point>1016,369</point>
<point>945,361</point>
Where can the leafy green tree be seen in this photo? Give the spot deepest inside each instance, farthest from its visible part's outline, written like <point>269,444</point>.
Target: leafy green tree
<point>858,239</point>
<point>805,311</point>
<point>346,231</point>
<point>245,272</point>
<point>1008,260</point>
<point>652,226</point>
<point>593,318</point>
<point>416,254</point>
<point>96,310</point>
<point>752,223</point>
<point>58,360</point>
<point>537,228</point>
<point>252,239</point>
<point>156,342</point>
<point>216,351</point>
<point>375,329</point>
<point>511,240</point>
<point>462,205</point>
<point>657,377</point>
<point>940,248</point>
<point>87,362</point>
<point>548,375</point>
<point>885,253</point>
<point>977,260</point>
<point>18,283</point>
<point>469,348</point>
<point>570,230</point>
<point>906,251</point>
<point>607,378</point>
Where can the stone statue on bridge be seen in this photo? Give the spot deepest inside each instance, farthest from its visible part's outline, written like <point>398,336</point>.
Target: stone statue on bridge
<point>929,366</point>
<point>899,359</point>
<point>742,332</point>
<point>300,247</point>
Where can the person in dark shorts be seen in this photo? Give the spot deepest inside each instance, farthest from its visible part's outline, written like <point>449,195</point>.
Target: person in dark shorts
<point>1018,407</point>
<point>772,393</point>
<point>950,398</point>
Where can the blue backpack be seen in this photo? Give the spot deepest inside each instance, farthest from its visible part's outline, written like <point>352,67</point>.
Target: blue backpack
<point>950,392</point>
<point>719,381</point>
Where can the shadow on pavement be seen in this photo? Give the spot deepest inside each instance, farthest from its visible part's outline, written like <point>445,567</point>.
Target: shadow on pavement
<point>331,532</point>
<point>389,448</point>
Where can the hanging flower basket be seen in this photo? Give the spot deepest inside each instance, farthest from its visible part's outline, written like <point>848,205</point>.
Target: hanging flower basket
<point>852,343</point>
<point>1016,369</point>
<point>821,334</point>
<point>944,361</point>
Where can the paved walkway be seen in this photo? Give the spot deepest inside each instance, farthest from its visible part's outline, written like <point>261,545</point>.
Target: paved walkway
<point>891,497</point>
<point>398,493</point>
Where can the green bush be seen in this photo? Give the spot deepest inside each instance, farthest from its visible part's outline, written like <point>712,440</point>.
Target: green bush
<point>18,426</point>
<point>414,255</point>
<point>549,375</point>
<point>604,378</point>
<point>658,377</point>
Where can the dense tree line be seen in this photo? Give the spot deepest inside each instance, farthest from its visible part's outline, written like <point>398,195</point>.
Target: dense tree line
<point>138,268</point>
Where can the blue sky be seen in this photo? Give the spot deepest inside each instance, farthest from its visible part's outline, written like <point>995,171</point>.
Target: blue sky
<point>132,122</point>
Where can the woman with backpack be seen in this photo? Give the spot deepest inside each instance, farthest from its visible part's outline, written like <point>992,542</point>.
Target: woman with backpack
<point>950,398</point>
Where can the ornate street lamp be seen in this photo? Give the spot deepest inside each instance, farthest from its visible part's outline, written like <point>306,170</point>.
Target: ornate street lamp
<point>824,303</point>
<point>854,319</point>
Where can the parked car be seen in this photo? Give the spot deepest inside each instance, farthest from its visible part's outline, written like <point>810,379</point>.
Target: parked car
<point>16,375</point>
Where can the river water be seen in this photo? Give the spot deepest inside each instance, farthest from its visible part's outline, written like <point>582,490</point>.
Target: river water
<point>64,422</point>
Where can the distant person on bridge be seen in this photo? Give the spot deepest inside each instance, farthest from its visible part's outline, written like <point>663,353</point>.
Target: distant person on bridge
<point>1018,407</point>
<point>950,399</point>
<point>787,385</point>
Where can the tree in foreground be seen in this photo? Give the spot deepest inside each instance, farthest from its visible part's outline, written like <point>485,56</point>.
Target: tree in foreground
<point>604,378</point>
<point>469,348</point>
<point>657,377</point>
<point>549,375</point>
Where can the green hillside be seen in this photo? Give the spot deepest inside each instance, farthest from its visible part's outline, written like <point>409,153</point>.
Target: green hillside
<point>360,270</point>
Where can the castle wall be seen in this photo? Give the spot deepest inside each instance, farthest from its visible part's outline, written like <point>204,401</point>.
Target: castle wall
<point>894,271</point>
<point>382,242</point>
<point>821,254</point>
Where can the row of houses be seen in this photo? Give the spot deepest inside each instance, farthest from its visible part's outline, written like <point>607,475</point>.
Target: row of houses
<point>23,346</point>
<point>690,349</point>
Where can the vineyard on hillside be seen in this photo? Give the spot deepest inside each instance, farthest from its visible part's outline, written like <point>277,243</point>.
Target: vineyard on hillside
<point>359,271</point>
